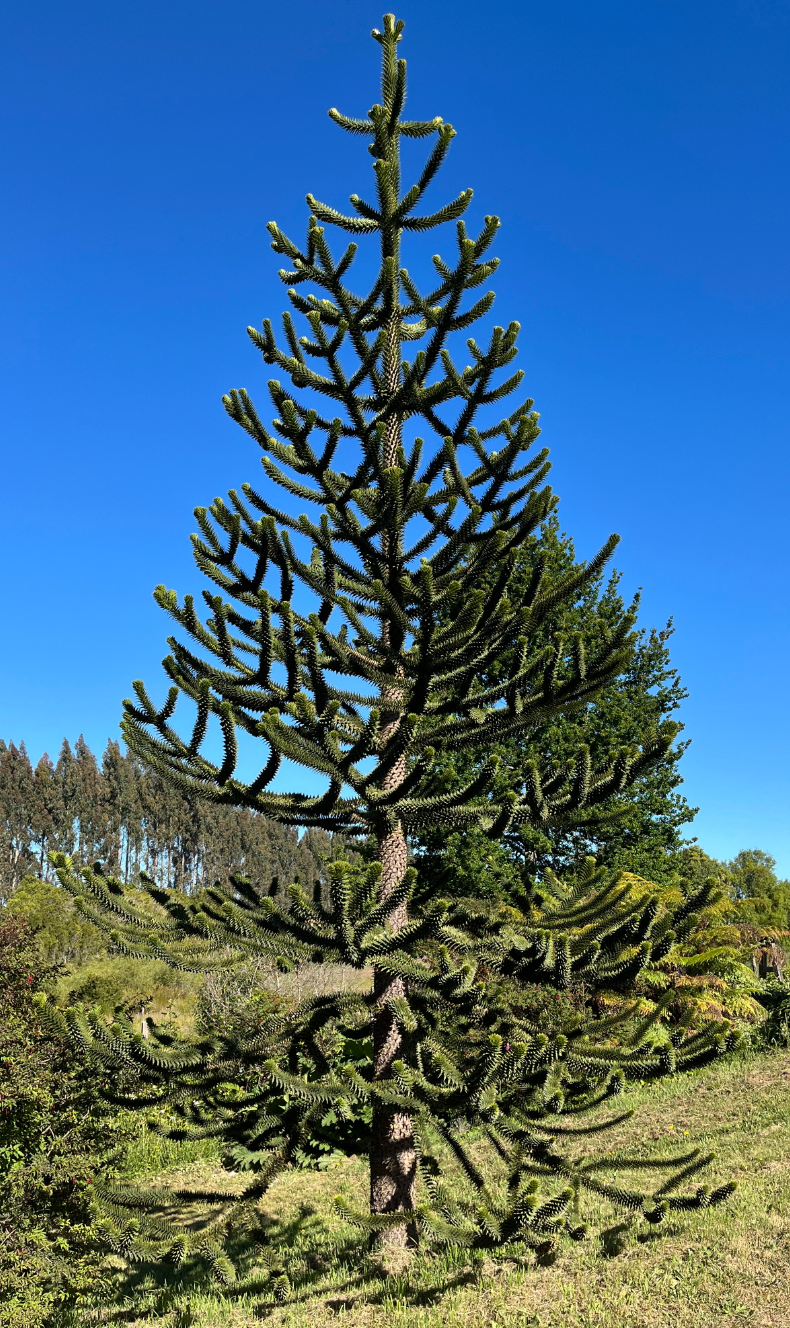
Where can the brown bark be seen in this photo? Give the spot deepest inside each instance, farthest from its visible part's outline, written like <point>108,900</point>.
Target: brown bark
<point>393,1159</point>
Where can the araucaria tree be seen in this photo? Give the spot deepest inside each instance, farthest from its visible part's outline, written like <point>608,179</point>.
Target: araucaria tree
<point>327,643</point>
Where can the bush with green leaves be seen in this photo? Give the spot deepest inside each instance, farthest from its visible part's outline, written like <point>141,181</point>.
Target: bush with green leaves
<point>774,996</point>
<point>62,935</point>
<point>58,1139</point>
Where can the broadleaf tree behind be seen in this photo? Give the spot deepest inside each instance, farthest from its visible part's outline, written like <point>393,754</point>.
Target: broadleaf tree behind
<point>639,829</point>
<point>404,481</point>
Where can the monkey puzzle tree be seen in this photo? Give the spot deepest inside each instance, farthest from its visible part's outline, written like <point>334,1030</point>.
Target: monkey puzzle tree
<point>326,641</point>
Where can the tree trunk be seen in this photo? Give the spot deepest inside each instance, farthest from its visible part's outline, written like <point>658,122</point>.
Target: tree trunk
<point>393,1159</point>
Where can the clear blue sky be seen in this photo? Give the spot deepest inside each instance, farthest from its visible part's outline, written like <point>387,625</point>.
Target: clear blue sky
<point>638,156</point>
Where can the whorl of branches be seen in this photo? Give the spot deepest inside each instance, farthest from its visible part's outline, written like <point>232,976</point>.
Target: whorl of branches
<point>324,620</point>
<point>526,1086</point>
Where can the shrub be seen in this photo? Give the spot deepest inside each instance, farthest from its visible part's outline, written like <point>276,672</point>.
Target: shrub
<point>774,996</point>
<point>63,935</point>
<point>57,1138</point>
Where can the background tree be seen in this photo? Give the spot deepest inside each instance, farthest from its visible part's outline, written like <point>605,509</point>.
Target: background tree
<point>359,676</point>
<point>46,816</point>
<point>638,829</point>
<point>758,898</point>
<point>762,898</point>
<point>17,834</point>
<point>131,818</point>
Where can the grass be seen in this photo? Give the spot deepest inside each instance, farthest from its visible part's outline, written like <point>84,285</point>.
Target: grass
<point>169,996</point>
<point>149,1154</point>
<point>728,1266</point>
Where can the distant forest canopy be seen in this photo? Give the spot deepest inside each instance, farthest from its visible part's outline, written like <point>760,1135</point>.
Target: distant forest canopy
<point>127,818</point>
<point>124,816</point>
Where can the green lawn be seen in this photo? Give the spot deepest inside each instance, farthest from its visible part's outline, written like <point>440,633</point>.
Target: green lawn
<point>727,1266</point>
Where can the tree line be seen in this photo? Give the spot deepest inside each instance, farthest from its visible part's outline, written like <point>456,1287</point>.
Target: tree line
<point>116,812</point>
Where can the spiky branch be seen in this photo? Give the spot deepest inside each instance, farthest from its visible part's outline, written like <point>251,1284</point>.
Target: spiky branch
<point>327,637</point>
<point>465,1063</point>
<point>339,659</point>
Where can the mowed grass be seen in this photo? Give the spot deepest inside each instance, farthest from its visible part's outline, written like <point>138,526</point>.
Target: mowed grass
<point>727,1266</point>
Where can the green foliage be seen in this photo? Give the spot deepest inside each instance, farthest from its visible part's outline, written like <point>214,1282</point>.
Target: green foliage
<point>709,973</point>
<point>57,1140</point>
<point>398,627</point>
<point>640,828</point>
<point>343,1129</point>
<point>523,1075</point>
<point>702,977</point>
<point>774,997</point>
<point>763,900</point>
<point>77,952</point>
<point>233,1001</point>
<point>135,984</point>
<point>62,935</point>
<point>758,898</point>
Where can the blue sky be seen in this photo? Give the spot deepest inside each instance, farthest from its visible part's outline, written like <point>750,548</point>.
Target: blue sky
<point>638,156</point>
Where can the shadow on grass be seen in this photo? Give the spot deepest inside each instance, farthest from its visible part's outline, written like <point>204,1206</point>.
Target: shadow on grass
<point>292,1262</point>
<point>279,1263</point>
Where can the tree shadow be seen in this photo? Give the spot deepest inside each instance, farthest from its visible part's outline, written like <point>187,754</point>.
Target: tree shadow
<point>291,1262</point>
